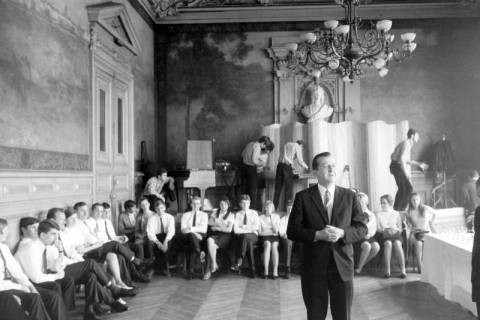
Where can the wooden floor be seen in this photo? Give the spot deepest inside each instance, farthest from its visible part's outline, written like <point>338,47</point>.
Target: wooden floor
<point>229,296</point>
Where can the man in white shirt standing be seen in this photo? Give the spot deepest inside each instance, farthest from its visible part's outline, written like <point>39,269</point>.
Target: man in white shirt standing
<point>194,226</point>
<point>400,168</point>
<point>292,152</point>
<point>251,159</point>
<point>14,281</point>
<point>245,227</point>
<point>160,231</point>
<point>160,187</point>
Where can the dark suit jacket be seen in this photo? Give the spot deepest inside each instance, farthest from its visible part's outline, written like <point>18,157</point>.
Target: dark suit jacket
<point>476,258</point>
<point>125,227</point>
<point>309,215</point>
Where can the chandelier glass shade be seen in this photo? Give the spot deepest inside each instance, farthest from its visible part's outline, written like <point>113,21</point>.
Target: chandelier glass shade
<point>347,48</point>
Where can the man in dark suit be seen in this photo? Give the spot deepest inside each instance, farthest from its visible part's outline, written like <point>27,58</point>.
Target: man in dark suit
<point>327,219</point>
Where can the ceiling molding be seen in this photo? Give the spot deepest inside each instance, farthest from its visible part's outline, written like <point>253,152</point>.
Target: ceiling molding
<point>294,13</point>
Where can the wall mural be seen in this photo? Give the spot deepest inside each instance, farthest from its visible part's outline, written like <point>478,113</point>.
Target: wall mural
<point>219,86</point>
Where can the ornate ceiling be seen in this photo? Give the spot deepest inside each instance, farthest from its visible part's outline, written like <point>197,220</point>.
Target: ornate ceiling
<point>234,11</point>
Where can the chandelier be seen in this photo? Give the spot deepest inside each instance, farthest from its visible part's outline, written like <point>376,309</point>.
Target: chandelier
<point>343,48</point>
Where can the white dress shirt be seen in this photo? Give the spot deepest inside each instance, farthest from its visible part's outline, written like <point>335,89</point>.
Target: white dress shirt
<point>8,263</point>
<point>329,205</point>
<point>268,224</point>
<point>30,257</point>
<point>292,151</point>
<point>154,226</point>
<point>252,222</point>
<point>251,154</point>
<point>221,224</point>
<point>282,229</point>
<point>71,254</point>
<point>201,224</point>
<point>80,234</point>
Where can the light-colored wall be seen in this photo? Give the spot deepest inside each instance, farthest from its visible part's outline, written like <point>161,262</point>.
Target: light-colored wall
<point>45,103</point>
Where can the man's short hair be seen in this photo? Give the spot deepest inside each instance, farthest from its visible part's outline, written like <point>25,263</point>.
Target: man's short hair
<point>387,198</point>
<point>158,202</point>
<point>96,204</point>
<point>245,197</point>
<point>264,139</point>
<point>318,156</point>
<point>129,204</point>
<point>300,142</point>
<point>269,146</point>
<point>52,211</point>
<point>78,205</point>
<point>69,212</point>
<point>196,198</point>
<point>161,171</point>
<point>411,132</point>
<point>25,222</point>
<point>46,225</point>
<point>106,205</point>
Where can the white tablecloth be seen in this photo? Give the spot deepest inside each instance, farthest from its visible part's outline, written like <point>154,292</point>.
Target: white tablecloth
<point>447,266</point>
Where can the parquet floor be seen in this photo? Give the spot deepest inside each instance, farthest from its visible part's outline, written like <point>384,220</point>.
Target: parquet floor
<point>229,296</point>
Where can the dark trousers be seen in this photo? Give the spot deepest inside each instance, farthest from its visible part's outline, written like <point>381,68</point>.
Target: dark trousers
<point>287,250</point>
<point>92,275</point>
<point>283,179</point>
<point>99,253</point>
<point>162,258</point>
<point>128,270</point>
<point>251,184</point>
<point>31,303</point>
<point>244,243</point>
<point>67,286</point>
<point>142,247</point>
<point>404,186</point>
<point>168,194</point>
<point>192,246</point>
<point>51,294</point>
<point>317,287</point>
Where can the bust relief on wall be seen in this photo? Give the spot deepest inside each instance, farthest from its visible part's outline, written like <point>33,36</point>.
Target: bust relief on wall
<point>316,100</point>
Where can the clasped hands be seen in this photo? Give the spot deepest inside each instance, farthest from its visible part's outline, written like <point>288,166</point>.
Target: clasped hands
<point>329,234</point>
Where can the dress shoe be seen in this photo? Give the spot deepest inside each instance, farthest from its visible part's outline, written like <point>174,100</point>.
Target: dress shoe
<point>120,292</point>
<point>140,277</point>
<point>403,276</point>
<point>252,273</point>
<point>287,273</point>
<point>117,306</point>
<point>207,275</point>
<point>274,277</point>
<point>236,269</point>
<point>99,310</point>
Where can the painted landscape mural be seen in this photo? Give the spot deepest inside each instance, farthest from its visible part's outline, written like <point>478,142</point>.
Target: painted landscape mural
<point>219,87</point>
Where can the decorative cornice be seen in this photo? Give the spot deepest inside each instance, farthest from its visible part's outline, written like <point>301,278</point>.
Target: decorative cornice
<point>309,12</point>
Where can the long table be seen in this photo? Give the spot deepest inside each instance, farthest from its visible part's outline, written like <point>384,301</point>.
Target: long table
<point>447,266</point>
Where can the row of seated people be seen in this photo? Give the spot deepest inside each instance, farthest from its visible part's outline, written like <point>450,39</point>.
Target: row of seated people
<point>57,254</point>
<point>392,230</point>
<point>201,235</point>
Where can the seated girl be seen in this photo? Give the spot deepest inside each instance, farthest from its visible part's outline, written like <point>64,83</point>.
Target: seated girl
<point>420,220</point>
<point>369,246</point>
<point>389,227</point>
<point>268,232</point>
<point>221,226</point>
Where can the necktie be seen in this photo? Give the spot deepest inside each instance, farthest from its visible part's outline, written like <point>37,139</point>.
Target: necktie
<point>44,261</point>
<point>327,202</point>
<point>7,275</point>
<point>194,219</point>
<point>245,218</point>
<point>61,247</point>
<point>97,228</point>
<point>140,227</point>
<point>162,230</point>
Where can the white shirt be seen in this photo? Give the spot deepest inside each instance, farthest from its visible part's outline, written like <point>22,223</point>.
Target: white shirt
<point>30,257</point>
<point>371,224</point>
<point>292,151</point>
<point>71,254</point>
<point>201,222</point>
<point>252,222</point>
<point>154,226</point>
<point>14,269</point>
<point>282,229</point>
<point>251,154</point>
<point>417,222</point>
<point>329,205</point>
<point>80,234</point>
<point>389,219</point>
<point>269,224</point>
<point>402,154</point>
<point>221,224</point>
